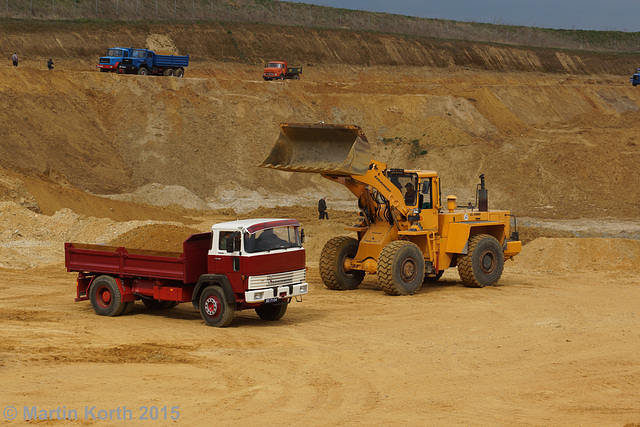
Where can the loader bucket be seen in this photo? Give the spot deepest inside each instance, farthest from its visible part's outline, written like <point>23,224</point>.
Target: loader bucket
<point>320,148</point>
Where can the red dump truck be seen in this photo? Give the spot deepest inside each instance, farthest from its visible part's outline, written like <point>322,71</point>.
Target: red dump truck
<point>280,70</point>
<point>248,264</point>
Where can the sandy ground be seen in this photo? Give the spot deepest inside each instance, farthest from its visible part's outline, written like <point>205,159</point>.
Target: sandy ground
<point>554,343</point>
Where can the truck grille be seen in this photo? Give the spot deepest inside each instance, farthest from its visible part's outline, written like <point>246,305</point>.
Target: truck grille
<point>104,60</point>
<point>277,279</point>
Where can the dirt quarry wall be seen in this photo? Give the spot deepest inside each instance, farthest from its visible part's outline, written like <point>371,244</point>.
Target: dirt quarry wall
<point>257,43</point>
<point>550,144</point>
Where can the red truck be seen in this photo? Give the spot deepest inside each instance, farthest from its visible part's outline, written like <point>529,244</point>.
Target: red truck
<point>279,70</point>
<point>256,263</point>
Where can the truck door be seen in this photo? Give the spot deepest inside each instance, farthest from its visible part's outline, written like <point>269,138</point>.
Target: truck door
<point>225,258</point>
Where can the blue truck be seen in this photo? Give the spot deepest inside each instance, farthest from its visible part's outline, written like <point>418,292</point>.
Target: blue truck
<point>145,61</point>
<point>112,60</point>
<point>635,79</point>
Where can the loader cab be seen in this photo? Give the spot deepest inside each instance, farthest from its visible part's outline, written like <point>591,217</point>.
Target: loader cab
<point>407,183</point>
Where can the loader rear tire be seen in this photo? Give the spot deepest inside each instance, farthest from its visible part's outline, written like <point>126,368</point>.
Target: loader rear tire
<point>105,296</point>
<point>401,268</point>
<point>482,265</point>
<point>334,253</point>
<point>272,311</point>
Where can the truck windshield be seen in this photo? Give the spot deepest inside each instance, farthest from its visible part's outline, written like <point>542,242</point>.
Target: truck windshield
<point>139,54</point>
<point>274,65</point>
<point>271,239</point>
<point>114,52</point>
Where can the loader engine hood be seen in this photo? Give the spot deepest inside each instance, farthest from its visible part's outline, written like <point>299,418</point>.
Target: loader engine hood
<point>327,149</point>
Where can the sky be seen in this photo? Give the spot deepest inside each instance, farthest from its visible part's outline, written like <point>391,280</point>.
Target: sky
<point>610,15</point>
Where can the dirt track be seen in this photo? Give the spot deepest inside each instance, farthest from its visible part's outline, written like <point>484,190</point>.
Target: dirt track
<point>556,342</point>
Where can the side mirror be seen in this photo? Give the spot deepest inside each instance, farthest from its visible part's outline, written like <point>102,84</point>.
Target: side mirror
<point>233,243</point>
<point>301,235</point>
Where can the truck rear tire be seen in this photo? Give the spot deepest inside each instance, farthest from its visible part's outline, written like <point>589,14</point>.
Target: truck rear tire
<point>334,253</point>
<point>169,72</point>
<point>142,71</point>
<point>296,77</point>
<point>214,308</point>
<point>180,73</point>
<point>482,265</point>
<point>128,307</point>
<point>272,311</point>
<point>401,268</point>
<point>105,296</point>
<point>154,304</point>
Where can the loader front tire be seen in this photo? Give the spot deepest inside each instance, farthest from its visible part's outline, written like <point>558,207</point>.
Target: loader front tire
<point>482,265</point>
<point>332,259</point>
<point>105,296</point>
<point>401,268</point>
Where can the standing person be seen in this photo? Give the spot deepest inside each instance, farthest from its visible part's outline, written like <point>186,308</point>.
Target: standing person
<point>50,64</point>
<point>322,208</point>
<point>14,58</point>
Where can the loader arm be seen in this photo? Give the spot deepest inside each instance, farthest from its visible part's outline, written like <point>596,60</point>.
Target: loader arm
<point>375,178</point>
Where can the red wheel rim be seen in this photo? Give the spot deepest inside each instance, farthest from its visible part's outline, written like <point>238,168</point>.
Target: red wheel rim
<point>212,306</point>
<point>103,296</point>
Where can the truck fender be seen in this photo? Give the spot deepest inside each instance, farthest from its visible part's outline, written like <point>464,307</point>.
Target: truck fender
<point>213,279</point>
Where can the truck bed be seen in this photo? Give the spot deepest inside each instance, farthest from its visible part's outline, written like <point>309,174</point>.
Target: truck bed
<point>185,267</point>
<point>172,60</point>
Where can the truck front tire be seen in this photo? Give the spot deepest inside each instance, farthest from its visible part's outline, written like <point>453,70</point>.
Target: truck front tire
<point>214,308</point>
<point>272,311</point>
<point>142,71</point>
<point>105,296</point>
<point>401,268</point>
<point>482,265</point>
<point>332,258</point>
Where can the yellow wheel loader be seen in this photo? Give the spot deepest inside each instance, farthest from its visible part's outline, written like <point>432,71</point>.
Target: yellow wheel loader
<point>405,235</point>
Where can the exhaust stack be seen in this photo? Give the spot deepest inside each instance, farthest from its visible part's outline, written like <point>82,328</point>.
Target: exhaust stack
<point>483,196</point>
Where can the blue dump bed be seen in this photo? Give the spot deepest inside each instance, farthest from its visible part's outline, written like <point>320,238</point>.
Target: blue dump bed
<point>172,60</point>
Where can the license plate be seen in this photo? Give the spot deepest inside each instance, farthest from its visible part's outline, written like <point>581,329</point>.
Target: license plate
<point>270,300</point>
